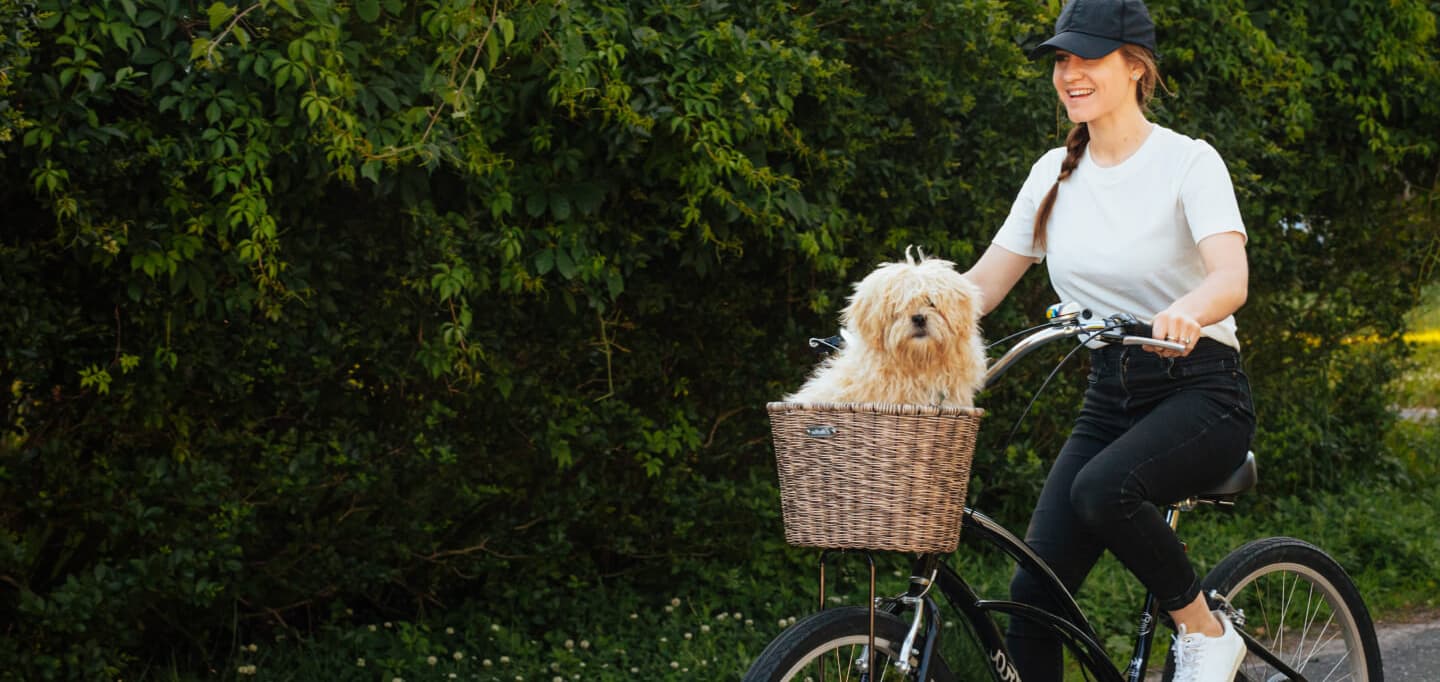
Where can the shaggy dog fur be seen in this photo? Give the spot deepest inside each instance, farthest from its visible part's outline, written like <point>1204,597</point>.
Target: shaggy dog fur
<point>912,336</point>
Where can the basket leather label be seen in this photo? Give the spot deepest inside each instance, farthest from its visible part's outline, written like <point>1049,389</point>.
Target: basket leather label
<point>820,431</point>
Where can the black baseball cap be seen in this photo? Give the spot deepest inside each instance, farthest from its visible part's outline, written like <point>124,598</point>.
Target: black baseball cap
<point>1095,28</point>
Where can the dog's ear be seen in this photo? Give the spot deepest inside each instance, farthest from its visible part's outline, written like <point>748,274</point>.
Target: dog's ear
<point>866,314</point>
<point>960,299</point>
<point>855,316</point>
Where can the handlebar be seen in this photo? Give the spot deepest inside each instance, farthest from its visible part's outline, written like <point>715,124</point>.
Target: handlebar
<point>1068,320</point>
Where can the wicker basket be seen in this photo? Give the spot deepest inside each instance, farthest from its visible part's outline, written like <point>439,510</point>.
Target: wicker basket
<point>867,476</point>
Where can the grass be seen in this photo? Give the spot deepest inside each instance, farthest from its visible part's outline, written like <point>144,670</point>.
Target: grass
<point>708,628</point>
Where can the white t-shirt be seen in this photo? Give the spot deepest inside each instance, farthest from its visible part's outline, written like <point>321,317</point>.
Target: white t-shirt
<point>1123,239</point>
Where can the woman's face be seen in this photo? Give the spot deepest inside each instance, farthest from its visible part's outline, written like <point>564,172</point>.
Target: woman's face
<point>1092,89</point>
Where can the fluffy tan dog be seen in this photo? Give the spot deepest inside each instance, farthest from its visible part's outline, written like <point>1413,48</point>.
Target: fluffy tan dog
<point>912,336</point>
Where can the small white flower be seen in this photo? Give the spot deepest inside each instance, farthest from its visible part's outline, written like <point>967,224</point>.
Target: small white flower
<point>689,636</point>
<point>664,640</point>
<point>721,616</point>
<point>749,621</point>
<point>349,612</point>
<point>782,622</point>
<point>459,655</point>
<point>557,678</point>
<point>669,609</point>
<point>449,631</point>
<point>505,660</point>
<point>674,601</point>
<point>488,663</point>
<point>634,670</point>
<point>792,620</point>
<point>372,628</point>
<point>453,676</point>
<point>569,644</point>
<point>387,624</point>
<point>494,627</point>
<point>584,644</point>
<point>704,628</point>
<point>253,648</point>
<point>737,615</point>
<point>633,616</point>
<point>359,662</point>
<point>674,665</point>
<point>431,660</point>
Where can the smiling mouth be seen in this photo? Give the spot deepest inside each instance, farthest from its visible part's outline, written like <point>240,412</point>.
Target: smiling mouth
<point>1080,93</point>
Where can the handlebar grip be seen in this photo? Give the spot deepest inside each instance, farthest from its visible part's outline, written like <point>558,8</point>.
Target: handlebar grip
<point>1147,341</point>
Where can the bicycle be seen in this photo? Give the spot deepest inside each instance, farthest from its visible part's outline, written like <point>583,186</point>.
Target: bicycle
<point>1299,613</point>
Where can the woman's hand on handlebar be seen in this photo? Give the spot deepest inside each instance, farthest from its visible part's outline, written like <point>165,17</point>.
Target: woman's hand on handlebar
<point>1170,325</point>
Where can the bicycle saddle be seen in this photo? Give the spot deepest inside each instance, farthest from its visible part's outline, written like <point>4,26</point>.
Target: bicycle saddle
<point>1241,480</point>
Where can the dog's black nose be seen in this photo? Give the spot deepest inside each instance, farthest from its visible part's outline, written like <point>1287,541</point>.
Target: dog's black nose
<point>919,320</point>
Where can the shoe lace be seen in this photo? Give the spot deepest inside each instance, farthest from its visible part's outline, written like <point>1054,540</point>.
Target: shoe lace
<point>1187,655</point>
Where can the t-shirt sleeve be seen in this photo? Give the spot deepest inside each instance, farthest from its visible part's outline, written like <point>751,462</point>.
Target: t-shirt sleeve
<point>1208,196</point>
<point>1017,234</point>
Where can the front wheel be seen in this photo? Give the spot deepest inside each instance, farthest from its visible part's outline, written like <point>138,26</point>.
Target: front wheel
<point>1298,603</point>
<point>836,639</point>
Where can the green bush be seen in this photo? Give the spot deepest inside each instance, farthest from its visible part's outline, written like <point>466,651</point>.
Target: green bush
<point>390,303</point>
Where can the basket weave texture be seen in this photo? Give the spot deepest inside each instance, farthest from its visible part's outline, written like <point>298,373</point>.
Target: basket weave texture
<point>870,476</point>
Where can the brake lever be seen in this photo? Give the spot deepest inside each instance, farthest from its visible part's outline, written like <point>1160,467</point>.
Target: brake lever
<point>827,345</point>
<point>1147,341</point>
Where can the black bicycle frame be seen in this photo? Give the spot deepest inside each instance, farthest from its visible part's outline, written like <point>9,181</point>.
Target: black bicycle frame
<point>1069,624</point>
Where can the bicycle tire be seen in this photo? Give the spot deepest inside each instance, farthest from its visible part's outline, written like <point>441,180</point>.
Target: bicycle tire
<point>839,635</point>
<point>1268,579</point>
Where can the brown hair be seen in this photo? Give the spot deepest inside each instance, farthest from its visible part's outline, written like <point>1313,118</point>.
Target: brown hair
<point>1079,136</point>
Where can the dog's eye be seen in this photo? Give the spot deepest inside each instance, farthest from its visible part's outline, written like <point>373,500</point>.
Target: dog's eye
<point>929,302</point>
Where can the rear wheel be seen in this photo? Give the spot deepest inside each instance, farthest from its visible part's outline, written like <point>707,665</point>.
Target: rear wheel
<point>837,639</point>
<point>1300,605</point>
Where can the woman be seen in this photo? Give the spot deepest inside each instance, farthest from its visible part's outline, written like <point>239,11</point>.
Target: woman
<point>1133,218</point>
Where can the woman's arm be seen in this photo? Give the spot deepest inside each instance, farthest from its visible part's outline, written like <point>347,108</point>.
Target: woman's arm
<point>1223,291</point>
<point>996,273</point>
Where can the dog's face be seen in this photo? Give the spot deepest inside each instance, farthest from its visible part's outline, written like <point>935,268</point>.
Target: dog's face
<point>914,310</point>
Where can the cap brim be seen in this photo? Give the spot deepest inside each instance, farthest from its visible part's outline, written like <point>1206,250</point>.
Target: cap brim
<point>1081,44</point>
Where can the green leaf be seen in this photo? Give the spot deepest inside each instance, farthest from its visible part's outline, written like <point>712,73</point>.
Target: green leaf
<point>148,18</point>
<point>560,207</point>
<point>148,55</point>
<point>219,13</point>
<point>545,261</point>
<point>507,29</point>
<point>564,264</point>
<point>162,73</point>
<point>370,170</point>
<point>368,10</point>
<point>535,203</point>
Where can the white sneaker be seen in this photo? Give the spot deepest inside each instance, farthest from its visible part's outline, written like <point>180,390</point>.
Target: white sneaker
<point>1208,659</point>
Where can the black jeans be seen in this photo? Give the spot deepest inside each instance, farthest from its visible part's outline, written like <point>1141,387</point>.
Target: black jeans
<point>1152,431</point>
